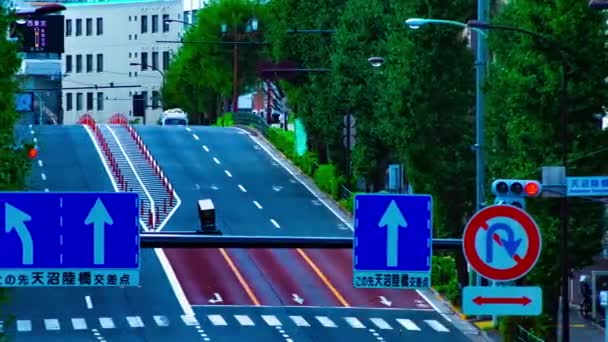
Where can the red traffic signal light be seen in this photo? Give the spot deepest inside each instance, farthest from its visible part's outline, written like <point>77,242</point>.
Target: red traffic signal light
<point>532,189</point>
<point>32,152</point>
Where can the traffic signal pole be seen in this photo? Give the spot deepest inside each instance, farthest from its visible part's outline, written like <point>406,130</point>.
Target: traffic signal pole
<point>193,239</point>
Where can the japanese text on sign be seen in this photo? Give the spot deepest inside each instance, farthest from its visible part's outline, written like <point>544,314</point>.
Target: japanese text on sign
<point>66,278</point>
<point>394,280</point>
<point>587,185</point>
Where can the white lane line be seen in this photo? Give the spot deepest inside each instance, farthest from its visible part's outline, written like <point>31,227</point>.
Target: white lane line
<point>244,320</point>
<point>326,321</point>
<point>195,136</point>
<point>161,321</point>
<point>52,324</point>
<point>271,320</point>
<point>228,173</point>
<point>216,160</point>
<point>408,324</point>
<point>39,162</point>
<point>354,322</point>
<point>106,323</point>
<point>242,188</point>
<point>32,132</point>
<point>43,176</point>
<point>79,324</point>
<point>299,321</point>
<point>217,320</point>
<point>46,189</point>
<point>24,325</point>
<point>205,148</point>
<point>275,223</point>
<point>380,323</point>
<point>89,302</point>
<point>257,204</point>
<point>135,322</point>
<point>188,129</point>
<point>35,140</point>
<point>436,325</point>
<point>190,320</point>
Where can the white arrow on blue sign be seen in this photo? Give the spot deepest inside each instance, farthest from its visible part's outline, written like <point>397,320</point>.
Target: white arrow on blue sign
<point>69,239</point>
<point>393,241</point>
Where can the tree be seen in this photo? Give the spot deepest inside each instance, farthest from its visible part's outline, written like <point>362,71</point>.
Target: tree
<point>202,70</point>
<point>523,126</point>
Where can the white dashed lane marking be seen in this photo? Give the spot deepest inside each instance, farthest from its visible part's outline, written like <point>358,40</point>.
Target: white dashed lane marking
<point>39,162</point>
<point>275,223</point>
<point>257,204</point>
<point>242,188</point>
<point>205,148</point>
<point>43,176</point>
<point>216,160</point>
<point>228,173</point>
<point>195,136</point>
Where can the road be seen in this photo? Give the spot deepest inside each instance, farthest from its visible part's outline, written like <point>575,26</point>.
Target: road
<point>255,195</point>
<point>68,162</point>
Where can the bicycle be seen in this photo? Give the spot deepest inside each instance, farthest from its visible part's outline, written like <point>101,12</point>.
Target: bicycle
<point>585,309</point>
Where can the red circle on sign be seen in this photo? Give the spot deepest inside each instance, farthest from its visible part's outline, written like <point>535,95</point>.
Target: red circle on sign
<point>480,222</point>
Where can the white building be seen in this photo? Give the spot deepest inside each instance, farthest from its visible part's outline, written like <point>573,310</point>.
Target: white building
<point>106,43</point>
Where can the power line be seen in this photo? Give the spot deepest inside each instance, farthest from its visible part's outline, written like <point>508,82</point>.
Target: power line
<point>83,88</point>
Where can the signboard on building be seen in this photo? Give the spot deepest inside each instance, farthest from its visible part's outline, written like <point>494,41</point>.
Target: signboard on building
<point>41,34</point>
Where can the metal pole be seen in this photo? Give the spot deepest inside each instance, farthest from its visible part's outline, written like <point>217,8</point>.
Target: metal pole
<point>483,10</point>
<point>563,212</point>
<point>235,99</point>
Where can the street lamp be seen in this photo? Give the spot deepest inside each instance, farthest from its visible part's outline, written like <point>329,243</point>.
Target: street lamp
<point>251,29</point>
<point>151,67</point>
<point>416,23</point>
<point>563,114</point>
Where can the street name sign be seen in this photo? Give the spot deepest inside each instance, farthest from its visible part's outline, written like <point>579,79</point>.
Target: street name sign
<point>392,241</point>
<point>587,186</point>
<point>501,243</point>
<point>502,300</point>
<point>69,239</point>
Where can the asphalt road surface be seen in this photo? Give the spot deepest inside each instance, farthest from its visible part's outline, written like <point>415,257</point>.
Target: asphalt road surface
<point>255,195</point>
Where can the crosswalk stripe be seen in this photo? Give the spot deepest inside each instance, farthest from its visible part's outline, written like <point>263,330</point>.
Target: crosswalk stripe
<point>326,322</point>
<point>354,322</point>
<point>107,323</point>
<point>299,321</point>
<point>380,323</point>
<point>190,320</point>
<point>24,325</point>
<point>161,321</point>
<point>52,324</point>
<point>79,324</point>
<point>217,320</point>
<point>436,325</point>
<point>271,320</point>
<point>1,326</point>
<point>408,324</point>
<point>135,322</point>
<point>244,320</point>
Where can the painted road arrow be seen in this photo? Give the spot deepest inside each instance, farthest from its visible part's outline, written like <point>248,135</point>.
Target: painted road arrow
<point>385,301</point>
<point>296,298</point>
<point>502,300</point>
<point>14,219</point>
<point>392,220</point>
<point>99,217</point>
<point>216,298</point>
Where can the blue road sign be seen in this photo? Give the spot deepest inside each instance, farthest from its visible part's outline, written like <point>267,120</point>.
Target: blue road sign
<point>587,186</point>
<point>69,239</point>
<point>502,300</point>
<point>393,241</point>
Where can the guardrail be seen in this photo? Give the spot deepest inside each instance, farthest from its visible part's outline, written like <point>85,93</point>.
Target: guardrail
<point>524,335</point>
<point>250,119</point>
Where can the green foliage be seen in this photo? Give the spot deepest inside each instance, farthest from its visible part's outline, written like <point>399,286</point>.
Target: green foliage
<point>444,278</point>
<point>329,180</point>
<point>201,74</point>
<point>283,140</point>
<point>523,127</point>
<point>225,120</point>
<point>14,164</point>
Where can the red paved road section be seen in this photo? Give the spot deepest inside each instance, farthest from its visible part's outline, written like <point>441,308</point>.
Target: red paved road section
<point>337,264</point>
<point>280,277</point>
<point>204,272</point>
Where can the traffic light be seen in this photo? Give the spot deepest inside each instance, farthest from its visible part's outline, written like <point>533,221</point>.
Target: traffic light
<point>514,191</point>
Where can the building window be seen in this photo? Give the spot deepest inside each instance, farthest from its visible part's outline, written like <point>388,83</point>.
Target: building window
<point>194,17</point>
<point>154,23</point>
<point>100,101</point>
<point>165,23</point>
<point>78,63</point>
<point>99,62</point>
<point>154,60</point>
<point>144,94</point>
<point>68,27</point>
<point>144,23</point>
<point>155,99</point>
<point>78,27</point>
<point>89,28</point>
<point>166,60</point>
<point>99,26</point>
<point>89,63</point>
<point>68,102</point>
<point>68,63</point>
<point>144,61</point>
<point>89,101</point>
<point>78,101</point>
